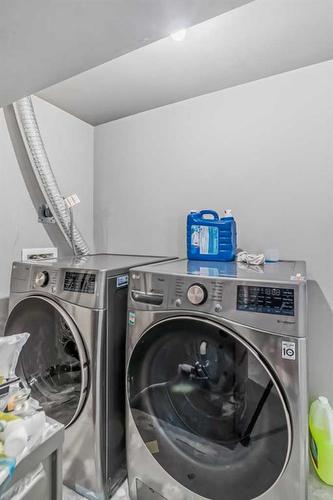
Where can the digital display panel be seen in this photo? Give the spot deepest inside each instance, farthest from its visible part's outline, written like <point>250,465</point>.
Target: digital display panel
<point>266,300</point>
<point>79,282</point>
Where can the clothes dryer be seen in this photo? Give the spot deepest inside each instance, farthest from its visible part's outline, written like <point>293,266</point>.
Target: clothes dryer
<point>217,382</point>
<point>74,361</point>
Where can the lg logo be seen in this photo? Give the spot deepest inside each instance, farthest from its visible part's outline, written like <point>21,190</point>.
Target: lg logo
<point>289,350</point>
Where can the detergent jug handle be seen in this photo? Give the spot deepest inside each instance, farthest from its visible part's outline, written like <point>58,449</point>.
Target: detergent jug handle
<point>209,212</point>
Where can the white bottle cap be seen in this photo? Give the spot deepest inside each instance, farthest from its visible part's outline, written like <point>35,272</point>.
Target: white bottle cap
<point>323,400</point>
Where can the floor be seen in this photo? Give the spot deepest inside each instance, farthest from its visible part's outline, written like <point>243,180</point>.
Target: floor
<point>317,491</point>
<point>122,494</point>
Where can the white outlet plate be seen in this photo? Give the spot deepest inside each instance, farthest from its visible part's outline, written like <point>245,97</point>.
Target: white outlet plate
<point>39,254</point>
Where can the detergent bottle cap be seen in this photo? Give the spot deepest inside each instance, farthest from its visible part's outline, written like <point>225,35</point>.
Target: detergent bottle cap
<point>321,414</point>
<point>227,213</point>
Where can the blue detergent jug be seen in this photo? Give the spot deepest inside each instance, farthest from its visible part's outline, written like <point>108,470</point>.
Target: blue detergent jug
<point>209,237</point>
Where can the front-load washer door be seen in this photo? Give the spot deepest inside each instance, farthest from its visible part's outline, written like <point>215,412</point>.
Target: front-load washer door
<point>208,409</point>
<point>53,361</point>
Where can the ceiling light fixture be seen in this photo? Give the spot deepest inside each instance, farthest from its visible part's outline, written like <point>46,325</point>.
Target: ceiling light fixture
<point>178,36</point>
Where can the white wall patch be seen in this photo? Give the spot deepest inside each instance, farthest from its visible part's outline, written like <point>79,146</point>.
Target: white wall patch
<point>288,350</point>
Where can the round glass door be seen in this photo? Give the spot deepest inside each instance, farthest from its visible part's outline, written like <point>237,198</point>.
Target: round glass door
<point>208,409</point>
<point>53,361</point>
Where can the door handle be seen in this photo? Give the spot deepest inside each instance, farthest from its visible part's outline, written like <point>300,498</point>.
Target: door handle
<point>155,299</point>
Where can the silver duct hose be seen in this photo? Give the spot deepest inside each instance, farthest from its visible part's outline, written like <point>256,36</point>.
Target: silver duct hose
<point>36,150</point>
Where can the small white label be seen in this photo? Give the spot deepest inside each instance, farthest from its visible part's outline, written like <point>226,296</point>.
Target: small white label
<point>288,350</point>
<point>122,281</point>
<point>131,318</point>
<point>72,200</point>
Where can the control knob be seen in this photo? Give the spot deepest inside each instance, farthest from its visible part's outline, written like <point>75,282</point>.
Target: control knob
<point>42,278</point>
<point>197,294</point>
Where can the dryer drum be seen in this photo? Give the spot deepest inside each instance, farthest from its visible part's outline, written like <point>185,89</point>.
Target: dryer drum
<point>53,360</point>
<point>212,408</point>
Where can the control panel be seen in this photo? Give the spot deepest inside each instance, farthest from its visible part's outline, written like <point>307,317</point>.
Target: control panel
<point>44,279</point>
<point>83,287</point>
<point>187,293</point>
<point>211,295</point>
<point>79,282</point>
<point>62,281</point>
<point>267,300</point>
<point>149,291</point>
<point>269,307</point>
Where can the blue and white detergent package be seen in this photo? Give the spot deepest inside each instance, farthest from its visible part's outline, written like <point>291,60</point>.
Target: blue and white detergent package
<point>209,237</point>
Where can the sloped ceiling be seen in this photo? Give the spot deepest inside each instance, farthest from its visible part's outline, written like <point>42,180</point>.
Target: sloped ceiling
<point>259,39</point>
<point>43,42</point>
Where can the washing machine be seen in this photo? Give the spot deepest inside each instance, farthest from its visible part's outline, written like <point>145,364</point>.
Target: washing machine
<point>217,381</point>
<point>74,361</point>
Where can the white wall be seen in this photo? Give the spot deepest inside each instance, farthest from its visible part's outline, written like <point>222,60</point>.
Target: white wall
<point>69,142</point>
<point>263,149</point>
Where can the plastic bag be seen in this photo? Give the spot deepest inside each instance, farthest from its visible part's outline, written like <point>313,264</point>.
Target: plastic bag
<point>7,390</point>
<point>10,349</point>
<point>7,468</point>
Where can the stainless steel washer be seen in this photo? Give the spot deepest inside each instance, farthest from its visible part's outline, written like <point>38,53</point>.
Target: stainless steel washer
<point>217,382</point>
<point>74,360</point>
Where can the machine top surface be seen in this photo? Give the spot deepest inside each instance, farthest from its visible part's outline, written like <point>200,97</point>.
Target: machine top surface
<point>112,264</point>
<point>280,272</point>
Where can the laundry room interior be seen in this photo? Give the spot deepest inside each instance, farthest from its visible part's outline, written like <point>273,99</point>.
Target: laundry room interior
<point>166,297</point>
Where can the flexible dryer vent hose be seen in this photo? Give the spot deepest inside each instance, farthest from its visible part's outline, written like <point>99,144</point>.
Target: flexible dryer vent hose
<point>36,150</point>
